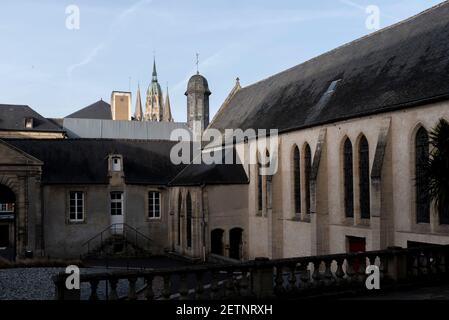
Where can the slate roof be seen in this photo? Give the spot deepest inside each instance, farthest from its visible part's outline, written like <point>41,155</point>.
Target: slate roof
<point>398,67</point>
<point>12,118</point>
<point>208,174</point>
<point>97,110</point>
<point>84,161</point>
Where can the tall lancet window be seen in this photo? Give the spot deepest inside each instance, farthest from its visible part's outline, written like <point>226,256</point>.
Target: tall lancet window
<point>189,220</point>
<point>422,193</point>
<point>307,173</point>
<point>179,217</point>
<point>297,179</point>
<point>348,179</point>
<point>364,184</point>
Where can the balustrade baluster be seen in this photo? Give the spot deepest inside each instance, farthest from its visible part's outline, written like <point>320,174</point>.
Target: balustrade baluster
<point>149,293</point>
<point>166,292</point>
<point>279,281</point>
<point>244,284</point>
<point>93,290</point>
<point>292,287</point>
<point>132,288</point>
<point>199,285</point>
<point>328,276</point>
<point>422,264</point>
<point>316,275</point>
<point>350,270</point>
<point>304,276</point>
<point>361,272</point>
<point>383,267</point>
<point>214,288</point>
<point>183,287</point>
<point>113,284</point>
<point>339,273</point>
<point>229,284</point>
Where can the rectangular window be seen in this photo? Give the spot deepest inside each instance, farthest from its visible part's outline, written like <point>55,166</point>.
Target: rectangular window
<point>76,204</point>
<point>6,207</point>
<point>154,205</point>
<point>116,203</point>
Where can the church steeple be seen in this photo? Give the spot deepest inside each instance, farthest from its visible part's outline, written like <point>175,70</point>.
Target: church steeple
<point>167,109</point>
<point>154,106</point>
<point>154,70</point>
<point>138,113</point>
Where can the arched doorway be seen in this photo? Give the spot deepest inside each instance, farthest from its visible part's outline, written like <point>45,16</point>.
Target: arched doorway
<point>235,243</point>
<point>7,222</point>
<point>216,242</point>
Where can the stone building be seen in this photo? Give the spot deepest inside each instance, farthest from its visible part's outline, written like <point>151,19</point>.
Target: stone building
<point>17,121</point>
<point>64,192</point>
<point>353,136</point>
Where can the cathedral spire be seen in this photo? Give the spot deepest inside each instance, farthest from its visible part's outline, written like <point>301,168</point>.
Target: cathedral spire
<point>154,70</point>
<point>167,109</point>
<point>138,113</point>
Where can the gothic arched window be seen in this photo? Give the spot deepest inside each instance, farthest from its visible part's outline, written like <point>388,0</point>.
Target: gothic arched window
<point>179,217</point>
<point>297,179</point>
<point>364,184</point>
<point>189,220</point>
<point>307,172</point>
<point>348,179</point>
<point>422,193</point>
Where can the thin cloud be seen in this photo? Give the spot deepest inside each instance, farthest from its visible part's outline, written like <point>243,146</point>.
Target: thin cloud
<point>111,35</point>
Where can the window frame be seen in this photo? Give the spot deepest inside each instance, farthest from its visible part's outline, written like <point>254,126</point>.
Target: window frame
<point>116,201</point>
<point>422,210</point>
<point>348,174</point>
<point>152,213</point>
<point>76,219</point>
<point>364,178</point>
<point>297,181</point>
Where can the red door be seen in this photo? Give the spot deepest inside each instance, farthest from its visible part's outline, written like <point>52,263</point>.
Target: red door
<point>356,244</point>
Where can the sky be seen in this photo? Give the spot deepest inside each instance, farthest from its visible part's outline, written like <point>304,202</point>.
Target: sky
<point>57,69</point>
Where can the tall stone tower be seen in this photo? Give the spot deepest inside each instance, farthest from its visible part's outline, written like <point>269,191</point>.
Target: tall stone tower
<point>154,106</point>
<point>197,104</point>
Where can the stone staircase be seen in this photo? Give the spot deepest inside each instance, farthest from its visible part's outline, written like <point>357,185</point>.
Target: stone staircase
<point>125,243</point>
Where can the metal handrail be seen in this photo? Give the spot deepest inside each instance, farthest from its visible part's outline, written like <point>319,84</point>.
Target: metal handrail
<point>113,227</point>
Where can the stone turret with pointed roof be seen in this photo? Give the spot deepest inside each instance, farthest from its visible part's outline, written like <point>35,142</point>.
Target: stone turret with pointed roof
<point>154,106</point>
<point>167,109</point>
<point>138,115</point>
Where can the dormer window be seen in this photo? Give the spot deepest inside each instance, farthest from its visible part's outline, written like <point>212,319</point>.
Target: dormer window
<point>29,123</point>
<point>116,163</point>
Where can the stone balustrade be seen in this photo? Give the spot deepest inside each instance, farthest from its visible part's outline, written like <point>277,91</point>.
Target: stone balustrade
<point>263,278</point>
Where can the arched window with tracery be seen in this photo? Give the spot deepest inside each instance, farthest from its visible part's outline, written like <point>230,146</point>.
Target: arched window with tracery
<point>421,160</point>
<point>348,179</point>
<point>364,182</point>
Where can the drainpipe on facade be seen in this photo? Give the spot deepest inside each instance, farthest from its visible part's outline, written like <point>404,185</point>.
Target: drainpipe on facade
<point>203,221</point>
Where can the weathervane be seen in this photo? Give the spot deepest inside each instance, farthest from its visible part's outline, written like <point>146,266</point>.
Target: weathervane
<point>197,63</point>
